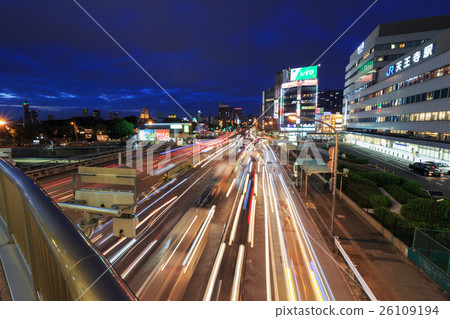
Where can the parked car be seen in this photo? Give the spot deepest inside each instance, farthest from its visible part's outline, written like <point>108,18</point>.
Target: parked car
<point>444,167</point>
<point>426,169</point>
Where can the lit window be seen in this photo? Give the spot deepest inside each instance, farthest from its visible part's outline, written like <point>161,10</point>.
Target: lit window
<point>393,46</point>
<point>401,45</point>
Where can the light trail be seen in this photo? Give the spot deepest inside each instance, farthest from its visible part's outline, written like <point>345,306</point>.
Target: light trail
<point>238,274</point>
<point>236,219</point>
<point>155,211</point>
<point>198,239</point>
<point>124,249</point>
<point>173,252</point>
<point>214,273</point>
<point>231,187</point>
<point>127,271</point>
<point>266,242</point>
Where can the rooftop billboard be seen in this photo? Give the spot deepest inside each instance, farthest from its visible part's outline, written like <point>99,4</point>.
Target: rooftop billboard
<point>304,73</point>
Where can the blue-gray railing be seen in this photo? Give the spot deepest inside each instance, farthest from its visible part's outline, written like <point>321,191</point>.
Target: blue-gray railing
<point>63,263</point>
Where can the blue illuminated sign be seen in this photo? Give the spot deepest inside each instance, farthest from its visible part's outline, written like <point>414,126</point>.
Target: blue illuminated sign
<point>411,59</point>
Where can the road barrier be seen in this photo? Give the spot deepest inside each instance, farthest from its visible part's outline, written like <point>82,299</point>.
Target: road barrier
<point>63,263</point>
<point>365,288</point>
<point>72,165</point>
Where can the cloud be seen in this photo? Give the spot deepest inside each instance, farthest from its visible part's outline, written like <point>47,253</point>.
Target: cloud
<point>7,96</point>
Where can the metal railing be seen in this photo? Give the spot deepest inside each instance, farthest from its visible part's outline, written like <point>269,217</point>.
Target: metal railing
<point>63,263</point>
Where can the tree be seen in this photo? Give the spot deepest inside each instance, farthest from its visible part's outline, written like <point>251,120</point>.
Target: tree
<point>121,128</point>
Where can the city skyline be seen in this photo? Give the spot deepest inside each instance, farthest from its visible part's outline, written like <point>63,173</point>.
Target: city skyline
<point>62,63</point>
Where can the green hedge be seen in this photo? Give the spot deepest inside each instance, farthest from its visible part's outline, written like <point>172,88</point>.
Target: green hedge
<point>399,193</point>
<point>360,189</point>
<point>400,227</point>
<point>381,200</point>
<point>414,188</point>
<point>421,210</point>
<point>383,178</point>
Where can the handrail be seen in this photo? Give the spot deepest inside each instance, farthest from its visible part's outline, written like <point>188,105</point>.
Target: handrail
<point>63,263</point>
<point>365,288</point>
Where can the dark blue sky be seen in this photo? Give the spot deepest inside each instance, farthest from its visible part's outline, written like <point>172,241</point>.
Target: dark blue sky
<point>202,52</point>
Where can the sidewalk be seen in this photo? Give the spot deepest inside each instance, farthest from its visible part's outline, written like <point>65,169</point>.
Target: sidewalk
<point>390,275</point>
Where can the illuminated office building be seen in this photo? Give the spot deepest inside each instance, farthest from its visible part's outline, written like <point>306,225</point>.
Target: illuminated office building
<point>298,102</point>
<point>397,90</point>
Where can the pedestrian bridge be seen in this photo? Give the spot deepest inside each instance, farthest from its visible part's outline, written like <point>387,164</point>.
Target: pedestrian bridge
<point>44,254</point>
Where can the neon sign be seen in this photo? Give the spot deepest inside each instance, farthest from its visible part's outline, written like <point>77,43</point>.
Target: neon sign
<point>360,48</point>
<point>411,59</point>
<point>299,83</point>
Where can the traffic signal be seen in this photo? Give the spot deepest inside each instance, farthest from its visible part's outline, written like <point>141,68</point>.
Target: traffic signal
<point>331,151</point>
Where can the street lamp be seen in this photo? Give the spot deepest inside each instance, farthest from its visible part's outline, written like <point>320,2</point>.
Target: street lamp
<point>75,129</point>
<point>335,158</point>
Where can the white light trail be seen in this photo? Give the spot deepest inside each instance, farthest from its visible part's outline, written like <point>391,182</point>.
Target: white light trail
<point>236,219</point>
<point>238,274</point>
<point>162,269</point>
<point>214,273</point>
<point>231,187</point>
<point>127,271</point>
<point>198,239</point>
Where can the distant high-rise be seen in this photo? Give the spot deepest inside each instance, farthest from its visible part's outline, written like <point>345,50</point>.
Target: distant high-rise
<point>51,117</point>
<point>34,117</point>
<point>237,115</point>
<point>331,100</point>
<point>267,113</point>
<point>224,114</point>
<point>26,113</point>
<point>113,115</point>
<point>145,115</point>
<point>96,114</point>
<point>85,112</point>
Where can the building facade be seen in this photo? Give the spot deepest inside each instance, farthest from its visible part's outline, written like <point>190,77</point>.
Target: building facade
<point>397,90</point>
<point>330,100</point>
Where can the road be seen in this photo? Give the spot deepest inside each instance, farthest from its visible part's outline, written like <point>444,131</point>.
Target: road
<point>219,231</point>
<point>399,167</point>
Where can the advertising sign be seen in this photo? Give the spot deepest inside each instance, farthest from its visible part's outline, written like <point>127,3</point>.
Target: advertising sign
<point>162,135</point>
<point>299,83</point>
<point>146,135</point>
<point>275,109</point>
<point>309,72</point>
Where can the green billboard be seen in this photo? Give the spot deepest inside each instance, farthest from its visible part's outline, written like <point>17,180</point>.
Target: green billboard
<point>304,73</point>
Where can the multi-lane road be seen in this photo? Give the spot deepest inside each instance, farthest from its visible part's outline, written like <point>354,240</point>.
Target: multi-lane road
<point>230,228</point>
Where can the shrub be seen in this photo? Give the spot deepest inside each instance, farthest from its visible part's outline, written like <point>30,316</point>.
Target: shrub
<point>381,200</point>
<point>421,210</point>
<point>383,178</point>
<point>414,188</point>
<point>360,189</point>
<point>399,193</point>
<point>401,227</point>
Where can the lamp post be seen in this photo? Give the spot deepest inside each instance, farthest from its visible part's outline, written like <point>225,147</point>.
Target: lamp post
<point>75,128</point>
<point>2,123</point>
<point>334,166</point>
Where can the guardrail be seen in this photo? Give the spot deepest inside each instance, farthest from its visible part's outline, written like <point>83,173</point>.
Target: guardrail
<point>66,161</point>
<point>365,288</point>
<point>63,263</point>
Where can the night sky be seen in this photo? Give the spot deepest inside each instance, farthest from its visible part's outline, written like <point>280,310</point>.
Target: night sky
<point>202,52</point>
